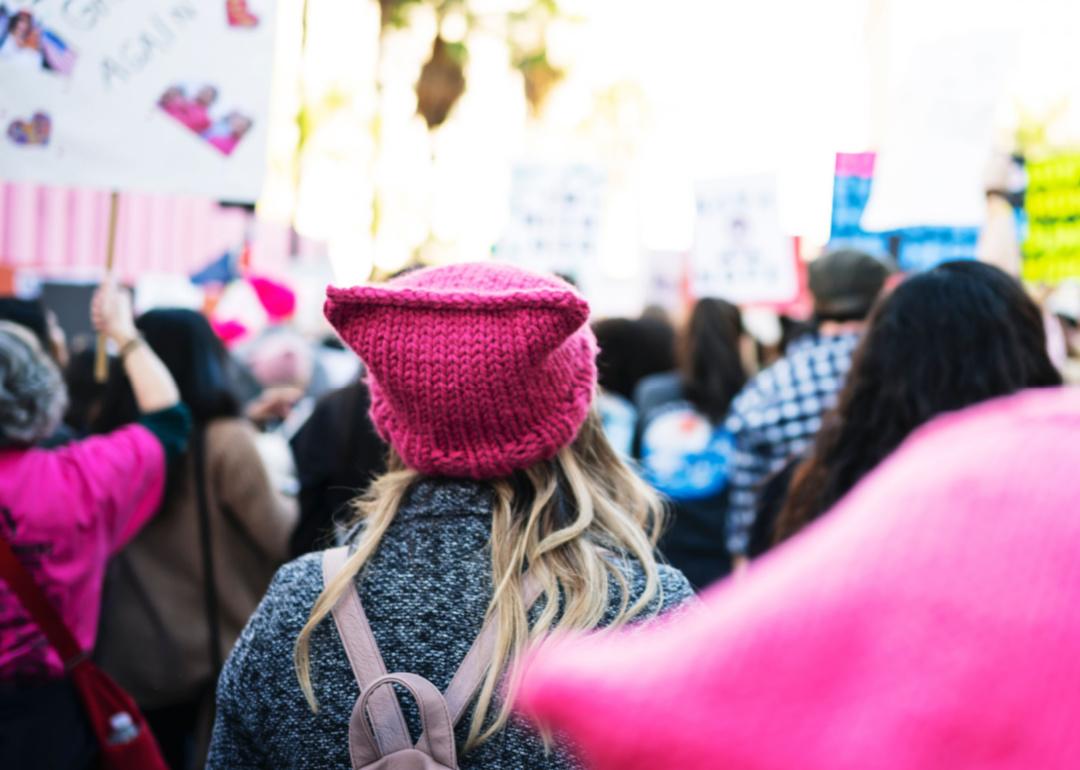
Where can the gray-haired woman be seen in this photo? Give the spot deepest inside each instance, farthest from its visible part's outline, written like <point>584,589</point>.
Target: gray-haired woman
<point>64,512</point>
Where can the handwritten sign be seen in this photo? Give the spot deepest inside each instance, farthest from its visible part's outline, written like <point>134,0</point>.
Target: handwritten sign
<point>1051,251</point>
<point>740,251</point>
<point>555,216</point>
<point>159,95</point>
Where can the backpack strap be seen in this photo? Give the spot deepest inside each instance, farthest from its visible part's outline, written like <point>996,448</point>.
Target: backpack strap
<point>391,732</point>
<point>388,729</point>
<point>437,740</point>
<point>470,674</point>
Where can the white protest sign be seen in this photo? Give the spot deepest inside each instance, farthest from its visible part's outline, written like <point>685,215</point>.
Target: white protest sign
<point>945,83</point>
<point>157,95</point>
<point>555,214</point>
<point>740,252</point>
<point>666,276</point>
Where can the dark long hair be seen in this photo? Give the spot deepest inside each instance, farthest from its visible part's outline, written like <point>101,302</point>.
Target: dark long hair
<point>630,350</point>
<point>197,360</point>
<point>708,357</point>
<point>956,335</point>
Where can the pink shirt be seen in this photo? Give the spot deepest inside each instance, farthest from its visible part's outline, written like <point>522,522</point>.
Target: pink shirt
<point>65,512</point>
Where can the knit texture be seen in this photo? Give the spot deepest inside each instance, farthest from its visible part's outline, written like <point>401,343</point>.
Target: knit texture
<point>425,592</point>
<point>476,370</point>
<point>929,622</point>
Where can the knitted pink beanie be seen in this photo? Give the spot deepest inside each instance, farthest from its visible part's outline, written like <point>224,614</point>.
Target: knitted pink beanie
<point>931,621</point>
<point>476,370</point>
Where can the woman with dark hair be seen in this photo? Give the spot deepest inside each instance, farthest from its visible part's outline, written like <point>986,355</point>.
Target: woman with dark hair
<point>956,335</point>
<point>683,447</point>
<point>165,590</point>
<point>631,349</point>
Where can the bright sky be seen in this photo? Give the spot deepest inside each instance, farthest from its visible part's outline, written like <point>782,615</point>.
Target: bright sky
<point>662,94</point>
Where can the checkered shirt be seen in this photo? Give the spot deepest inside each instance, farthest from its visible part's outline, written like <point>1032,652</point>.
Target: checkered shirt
<point>776,416</point>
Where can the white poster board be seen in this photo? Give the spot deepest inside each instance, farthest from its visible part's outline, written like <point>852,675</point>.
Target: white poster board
<point>945,83</point>
<point>156,95</point>
<point>666,278</point>
<point>740,252</point>
<point>555,217</point>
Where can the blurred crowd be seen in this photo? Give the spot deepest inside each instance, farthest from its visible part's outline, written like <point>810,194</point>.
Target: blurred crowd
<point>498,468</point>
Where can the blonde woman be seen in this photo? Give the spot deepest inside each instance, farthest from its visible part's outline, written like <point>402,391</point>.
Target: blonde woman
<point>482,379</point>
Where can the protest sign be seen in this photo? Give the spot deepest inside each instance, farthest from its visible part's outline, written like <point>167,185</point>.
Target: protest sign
<point>160,95</point>
<point>555,215</point>
<point>666,276</point>
<point>1051,250</point>
<point>913,248</point>
<point>740,252</point>
<point>943,86</point>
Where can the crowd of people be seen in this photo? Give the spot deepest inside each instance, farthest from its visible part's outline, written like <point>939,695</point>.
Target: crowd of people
<point>504,470</point>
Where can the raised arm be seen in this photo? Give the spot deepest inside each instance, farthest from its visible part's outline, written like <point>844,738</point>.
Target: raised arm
<point>151,382</point>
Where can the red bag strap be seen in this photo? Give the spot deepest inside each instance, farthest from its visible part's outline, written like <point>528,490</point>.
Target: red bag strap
<point>35,602</point>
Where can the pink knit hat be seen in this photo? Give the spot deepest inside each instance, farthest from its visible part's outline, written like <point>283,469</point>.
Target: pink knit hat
<point>930,622</point>
<point>476,370</point>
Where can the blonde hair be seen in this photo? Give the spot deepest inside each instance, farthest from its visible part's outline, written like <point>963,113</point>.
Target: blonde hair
<point>576,517</point>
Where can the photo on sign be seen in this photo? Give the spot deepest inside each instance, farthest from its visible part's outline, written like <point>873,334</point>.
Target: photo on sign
<point>198,110</point>
<point>25,43</point>
<point>34,131</point>
<point>239,15</point>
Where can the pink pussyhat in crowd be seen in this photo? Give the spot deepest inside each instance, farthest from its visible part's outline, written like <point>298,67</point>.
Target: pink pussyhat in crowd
<point>476,370</point>
<point>931,621</point>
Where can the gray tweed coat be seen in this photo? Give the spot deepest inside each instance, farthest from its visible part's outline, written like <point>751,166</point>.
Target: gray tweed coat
<point>425,593</point>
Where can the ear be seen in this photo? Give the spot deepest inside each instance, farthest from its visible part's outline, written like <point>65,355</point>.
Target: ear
<point>547,327</point>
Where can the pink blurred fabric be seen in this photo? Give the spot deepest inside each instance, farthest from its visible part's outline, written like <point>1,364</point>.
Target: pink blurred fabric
<point>930,622</point>
<point>229,331</point>
<point>477,369</point>
<point>277,299</point>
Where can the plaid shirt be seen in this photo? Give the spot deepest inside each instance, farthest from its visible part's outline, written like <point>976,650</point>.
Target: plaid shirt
<point>776,416</point>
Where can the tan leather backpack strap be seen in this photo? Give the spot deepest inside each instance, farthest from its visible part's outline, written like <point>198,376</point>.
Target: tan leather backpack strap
<point>470,674</point>
<point>438,738</point>
<point>391,732</point>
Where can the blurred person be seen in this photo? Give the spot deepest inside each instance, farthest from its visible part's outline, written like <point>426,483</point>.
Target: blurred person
<point>630,349</point>
<point>187,583</point>
<point>64,512</point>
<point>778,412</point>
<point>927,623</point>
<point>337,454</point>
<point>42,321</point>
<point>482,378</point>
<point>958,334</point>
<point>196,112</point>
<point>685,451</point>
<point>22,44</point>
<point>85,393</point>
<point>233,128</point>
<point>285,365</point>
<point>1063,305</point>
<point>174,102</point>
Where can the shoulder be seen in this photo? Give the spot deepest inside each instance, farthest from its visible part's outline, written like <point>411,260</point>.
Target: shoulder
<point>222,432</point>
<point>130,447</point>
<point>297,584</point>
<point>656,389</point>
<point>285,607</point>
<point>264,649</point>
<point>758,393</point>
<point>673,591</point>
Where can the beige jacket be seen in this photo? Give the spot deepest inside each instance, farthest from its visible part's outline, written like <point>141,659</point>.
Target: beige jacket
<point>154,637</point>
